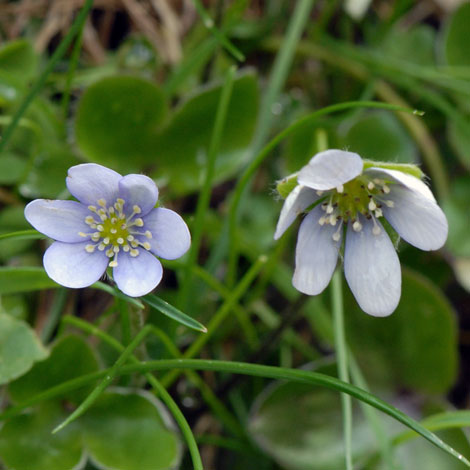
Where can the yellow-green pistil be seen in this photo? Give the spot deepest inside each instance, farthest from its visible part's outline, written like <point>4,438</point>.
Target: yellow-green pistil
<point>114,231</point>
<point>359,196</point>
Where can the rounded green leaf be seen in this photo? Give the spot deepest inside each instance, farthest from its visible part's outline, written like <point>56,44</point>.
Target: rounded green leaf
<point>181,148</point>
<point>128,431</point>
<point>455,38</point>
<point>117,119</point>
<point>414,347</point>
<point>18,59</point>
<point>70,357</point>
<point>26,441</point>
<point>380,136</point>
<point>19,348</point>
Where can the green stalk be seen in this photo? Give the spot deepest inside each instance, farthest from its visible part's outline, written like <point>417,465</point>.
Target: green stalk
<point>54,314</point>
<point>254,370</point>
<point>204,196</point>
<point>342,360</point>
<point>58,54</point>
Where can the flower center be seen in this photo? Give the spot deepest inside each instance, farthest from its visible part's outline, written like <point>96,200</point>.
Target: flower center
<point>114,231</point>
<point>363,196</point>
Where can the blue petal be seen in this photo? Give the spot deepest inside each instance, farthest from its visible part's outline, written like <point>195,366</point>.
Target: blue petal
<point>372,269</point>
<point>70,265</point>
<point>89,182</point>
<point>170,234</point>
<point>296,202</point>
<point>60,220</point>
<point>330,169</point>
<point>138,190</point>
<point>316,254</point>
<point>137,276</point>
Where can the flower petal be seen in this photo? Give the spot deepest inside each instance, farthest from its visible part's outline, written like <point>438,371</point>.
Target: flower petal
<point>60,220</point>
<point>416,218</point>
<point>170,234</point>
<point>139,275</point>
<point>330,169</point>
<point>89,182</point>
<point>296,202</point>
<point>316,254</point>
<point>410,181</point>
<point>70,265</point>
<point>138,190</point>
<point>372,269</point>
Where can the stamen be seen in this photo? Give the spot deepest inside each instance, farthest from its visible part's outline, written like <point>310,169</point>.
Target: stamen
<point>385,189</point>
<point>90,248</point>
<point>126,248</point>
<point>113,263</point>
<point>337,235</point>
<point>139,222</point>
<point>110,253</point>
<point>389,203</point>
<point>319,193</point>
<point>101,246</point>
<point>83,234</point>
<point>106,240</point>
<point>340,188</point>
<point>100,228</point>
<point>322,220</point>
<point>146,245</point>
<point>357,226</point>
<point>134,253</point>
<point>148,234</point>
<point>120,240</point>
<point>378,213</point>
<point>102,202</point>
<point>370,186</point>
<point>372,205</point>
<point>96,236</point>
<point>130,238</point>
<point>136,209</point>
<point>376,230</point>
<point>89,220</point>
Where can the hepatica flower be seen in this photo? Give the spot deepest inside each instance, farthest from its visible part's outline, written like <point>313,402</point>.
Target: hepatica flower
<point>348,201</point>
<point>115,224</point>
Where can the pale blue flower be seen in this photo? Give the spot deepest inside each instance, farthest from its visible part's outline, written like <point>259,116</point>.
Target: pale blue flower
<point>356,199</point>
<point>115,223</point>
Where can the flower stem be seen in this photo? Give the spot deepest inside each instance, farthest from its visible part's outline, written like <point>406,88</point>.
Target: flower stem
<point>342,360</point>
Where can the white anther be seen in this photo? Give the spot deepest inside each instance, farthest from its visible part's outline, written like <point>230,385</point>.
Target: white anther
<point>372,205</point>
<point>106,240</point>
<point>319,193</point>
<point>116,249</point>
<point>113,231</point>
<point>134,244</point>
<point>385,189</point>
<point>90,248</point>
<point>120,240</point>
<point>134,253</point>
<point>83,234</point>
<point>389,203</point>
<point>92,208</point>
<point>340,188</point>
<point>126,248</point>
<point>101,246</point>
<point>114,220</point>
<point>139,222</point>
<point>378,181</point>
<point>146,245</point>
<point>100,228</point>
<point>136,209</point>
<point>376,230</point>
<point>370,185</point>
<point>89,220</point>
<point>102,202</point>
<point>110,253</point>
<point>120,201</point>
<point>378,213</point>
<point>130,238</point>
<point>332,220</point>
<point>101,212</point>
<point>148,234</point>
<point>357,226</point>
<point>336,236</point>
<point>321,220</point>
<point>329,209</point>
<point>113,263</point>
<point>103,217</point>
<point>111,210</point>
<point>96,236</point>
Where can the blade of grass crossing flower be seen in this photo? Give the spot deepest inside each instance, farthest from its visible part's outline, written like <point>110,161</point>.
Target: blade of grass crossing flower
<point>113,372</point>
<point>219,35</point>
<point>172,312</point>
<point>342,361</point>
<point>204,195</point>
<point>256,370</point>
<point>36,88</point>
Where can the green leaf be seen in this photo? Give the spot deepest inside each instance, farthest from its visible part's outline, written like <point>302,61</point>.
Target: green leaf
<point>14,280</point>
<point>117,120</point>
<point>19,60</point>
<point>380,136</point>
<point>300,427</point>
<point>172,312</point>
<point>12,168</point>
<point>26,440</point>
<point>70,357</point>
<point>129,431</point>
<point>455,38</point>
<point>19,348</point>
<point>12,220</point>
<point>182,146</point>
<point>415,346</point>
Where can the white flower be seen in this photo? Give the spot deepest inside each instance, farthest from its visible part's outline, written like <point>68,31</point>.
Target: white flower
<point>352,201</point>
